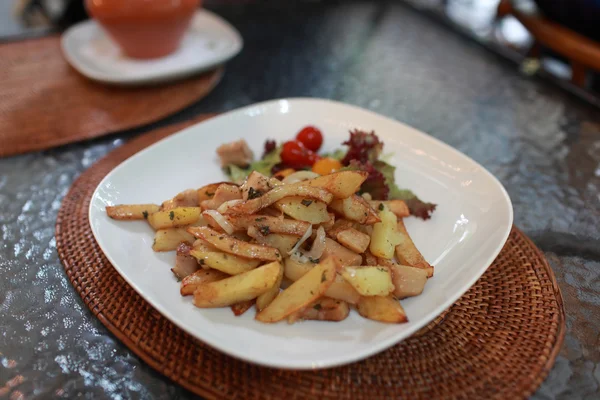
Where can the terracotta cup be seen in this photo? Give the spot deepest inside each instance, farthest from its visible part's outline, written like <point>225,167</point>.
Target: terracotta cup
<point>144,28</point>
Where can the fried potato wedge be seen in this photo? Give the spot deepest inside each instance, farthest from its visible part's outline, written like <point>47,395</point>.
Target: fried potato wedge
<point>238,288</point>
<point>355,208</point>
<point>407,253</point>
<point>227,263</point>
<point>385,234</point>
<point>304,291</point>
<point>340,289</point>
<point>294,270</point>
<point>240,308</point>
<point>382,309</point>
<point>398,207</point>
<point>369,281</point>
<point>224,192</point>
<point>408,281</point>
<point>190,283</point>
<point>177,217</point>
<point>187,198</point>
<point>330,222</point>
<point>324,309</point>
<point>252,206</point>
<point>169,239</point>
<point>228,244</point>
<point>354,240</point>
<point>302,209</point>
<point>338,226</point>
<point>341,254</point>
<point>341,184</point>
<point>370,259</point>
<point>267,297</point>
<point>131,212</point>
<point>208,192</point>
<point>283,243</point>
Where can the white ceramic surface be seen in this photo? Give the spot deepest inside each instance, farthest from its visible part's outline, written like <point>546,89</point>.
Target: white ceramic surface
<point>466,233</point>
<point>209,41</point>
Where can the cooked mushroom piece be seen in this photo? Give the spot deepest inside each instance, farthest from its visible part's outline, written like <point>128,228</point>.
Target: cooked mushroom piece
<point>236,153</point>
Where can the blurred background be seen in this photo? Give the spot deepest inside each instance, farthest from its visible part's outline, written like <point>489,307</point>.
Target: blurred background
<point>554,39</point>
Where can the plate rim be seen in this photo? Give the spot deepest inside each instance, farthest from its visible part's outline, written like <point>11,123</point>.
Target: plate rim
<point>356,356</point>
<point>99,76</point>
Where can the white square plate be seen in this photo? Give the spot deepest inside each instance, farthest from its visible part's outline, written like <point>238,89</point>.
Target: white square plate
<point>465,234</point>
<point>209,41</point>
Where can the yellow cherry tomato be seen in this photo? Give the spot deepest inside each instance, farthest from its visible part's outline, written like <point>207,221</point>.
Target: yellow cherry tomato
<point>326,166</point>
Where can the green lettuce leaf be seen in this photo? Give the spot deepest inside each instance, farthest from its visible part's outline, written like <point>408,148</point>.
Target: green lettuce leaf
<point>416,206</point>
<point>338,154</point>
<point>237,174</point>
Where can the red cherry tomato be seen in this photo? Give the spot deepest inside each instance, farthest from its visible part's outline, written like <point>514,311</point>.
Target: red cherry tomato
<point>311,138</point>
<point>296,155</point>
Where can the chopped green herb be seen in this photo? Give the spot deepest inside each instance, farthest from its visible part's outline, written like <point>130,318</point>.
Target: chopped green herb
<point>201,261</point>
<point>366,214</point>
<point>253,193</point>
<point>323,277</point>
<point>145,214</point>
<point>306,202</point>
<point>313,260</point>
<point>260,219</point>
<point>317,307</point>
<point>381,207</point>
<point>172,215</point>
<point>382,269</point>
<point>221,237</point>
<point>209,194</point>
<point>264,230</point>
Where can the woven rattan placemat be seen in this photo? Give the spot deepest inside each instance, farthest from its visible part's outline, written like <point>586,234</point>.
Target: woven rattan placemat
<point>45,103</point>
<point>497,342</point>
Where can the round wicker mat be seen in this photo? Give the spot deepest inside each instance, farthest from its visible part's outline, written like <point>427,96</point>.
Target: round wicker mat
<point>46,103</point>
<point>498,341</point>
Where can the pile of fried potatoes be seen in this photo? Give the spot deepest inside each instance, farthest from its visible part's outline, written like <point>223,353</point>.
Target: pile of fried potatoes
<point>307,250</point>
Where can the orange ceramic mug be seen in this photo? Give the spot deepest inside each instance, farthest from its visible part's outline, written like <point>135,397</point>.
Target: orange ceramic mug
<point>144,28</point>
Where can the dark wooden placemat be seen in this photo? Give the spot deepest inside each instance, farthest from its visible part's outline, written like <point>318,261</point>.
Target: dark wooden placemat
<point>498,341</point>
<point>44,102</point>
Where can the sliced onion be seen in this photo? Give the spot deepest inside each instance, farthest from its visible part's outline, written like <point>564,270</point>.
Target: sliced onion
<point>230,203</point>
<point>300,176</point>
<point>318,246</point>
<point>302,240</point>
<point>219,219</point>
<point>299,257</point>
<point>316,250</point>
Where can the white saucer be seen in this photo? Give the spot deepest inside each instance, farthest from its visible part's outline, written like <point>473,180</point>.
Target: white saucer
<point>210,41</point>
